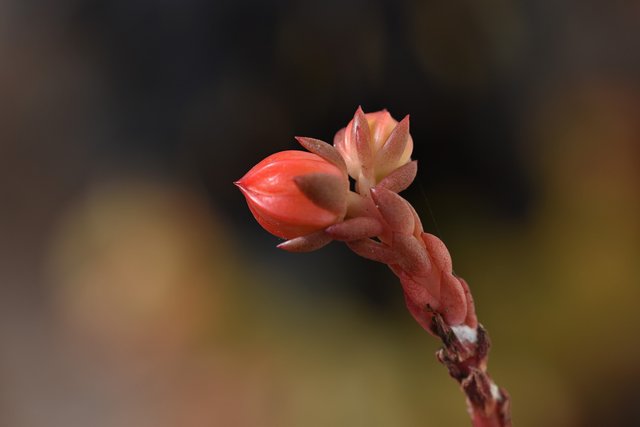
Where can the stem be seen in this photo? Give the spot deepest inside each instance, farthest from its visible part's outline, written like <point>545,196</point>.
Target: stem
<point>465,354</point>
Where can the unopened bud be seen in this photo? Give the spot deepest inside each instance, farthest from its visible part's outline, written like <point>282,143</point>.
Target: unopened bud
<point>295,193</point>
<point>373,152</point>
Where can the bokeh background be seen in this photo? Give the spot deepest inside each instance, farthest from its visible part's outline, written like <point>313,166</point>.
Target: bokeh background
<point>136,289</point>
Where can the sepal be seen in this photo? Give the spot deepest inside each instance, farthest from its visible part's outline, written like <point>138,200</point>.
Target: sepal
<point>395,210</point>
<point>355,229</point>
<point>308,243</point>
<point>324,150</point>
<point>401,178</point>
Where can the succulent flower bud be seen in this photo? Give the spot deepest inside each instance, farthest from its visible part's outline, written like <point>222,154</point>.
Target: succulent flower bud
<point>373,152</point>
<point>295,193</point>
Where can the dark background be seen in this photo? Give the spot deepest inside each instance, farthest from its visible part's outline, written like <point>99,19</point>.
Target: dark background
<point>136,289</point>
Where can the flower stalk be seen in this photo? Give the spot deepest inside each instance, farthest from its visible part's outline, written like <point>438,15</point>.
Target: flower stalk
<point>304,197</point>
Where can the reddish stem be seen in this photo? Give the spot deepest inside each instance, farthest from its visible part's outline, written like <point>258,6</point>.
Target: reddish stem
<point>466,360</point>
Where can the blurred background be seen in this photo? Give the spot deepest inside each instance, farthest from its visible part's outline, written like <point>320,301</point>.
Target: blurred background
<point>137,290</point>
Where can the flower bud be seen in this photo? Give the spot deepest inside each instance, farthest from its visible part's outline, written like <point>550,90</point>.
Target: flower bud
<point>295,193</point>
<point>375,152</point>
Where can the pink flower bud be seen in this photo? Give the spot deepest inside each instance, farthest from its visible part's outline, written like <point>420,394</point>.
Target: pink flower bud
<point>387,145</point>
<point>295,193</point>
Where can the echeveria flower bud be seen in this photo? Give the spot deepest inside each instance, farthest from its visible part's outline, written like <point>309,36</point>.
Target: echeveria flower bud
<point>305,198</point>
<point>374,150</point>
<point>295,193</point>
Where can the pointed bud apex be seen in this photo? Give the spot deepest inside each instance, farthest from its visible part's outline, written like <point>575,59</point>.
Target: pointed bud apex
<point>278,203</point>
<point>401,178</point>
<point>355,229</point>
<point>395,210</point>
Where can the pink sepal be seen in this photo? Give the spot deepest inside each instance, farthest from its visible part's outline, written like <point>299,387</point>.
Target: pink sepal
<point>375,251</point>
<point>324,150</point>
<point>453,299</point>
<point>355,229</point>
<point>361,134</point>
<point>413,256</point>
<point>390,154</point>
<point>395,210</point>
<point>308,243</point>
<point>438,252</point>
<point>401,178</point>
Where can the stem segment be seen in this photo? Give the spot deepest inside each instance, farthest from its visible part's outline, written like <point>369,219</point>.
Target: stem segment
<point>465,354</point>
